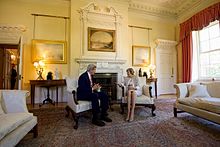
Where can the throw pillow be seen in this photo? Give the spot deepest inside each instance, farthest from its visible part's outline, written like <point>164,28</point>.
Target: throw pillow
<point>14,101</point>
<point>198,91</point>
<point>145,89</point>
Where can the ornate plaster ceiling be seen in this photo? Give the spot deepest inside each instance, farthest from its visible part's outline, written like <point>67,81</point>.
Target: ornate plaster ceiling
<point>173,8</point>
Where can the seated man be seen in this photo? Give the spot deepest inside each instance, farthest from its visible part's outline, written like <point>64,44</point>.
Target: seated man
<point>87,90</point>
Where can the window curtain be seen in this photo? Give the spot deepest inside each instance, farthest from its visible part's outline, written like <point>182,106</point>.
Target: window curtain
<point>195,23</point>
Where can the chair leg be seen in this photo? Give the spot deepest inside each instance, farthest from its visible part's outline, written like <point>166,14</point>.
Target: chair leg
<point>76,119</point>
<point>67,110</point>
<point>152,110</point>
<point>35,130</point>
<point>175,111</point>
<point>122,109</point>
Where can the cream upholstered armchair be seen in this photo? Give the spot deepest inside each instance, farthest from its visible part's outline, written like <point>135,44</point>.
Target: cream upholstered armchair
<point>76,107</point>
<point>145,99</point>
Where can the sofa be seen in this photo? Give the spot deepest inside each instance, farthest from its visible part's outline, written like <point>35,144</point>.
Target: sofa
<point>201,99</point>
<point>15,120</point>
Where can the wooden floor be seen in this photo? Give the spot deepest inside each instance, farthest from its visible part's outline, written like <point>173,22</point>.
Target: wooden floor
<point>45,106</point>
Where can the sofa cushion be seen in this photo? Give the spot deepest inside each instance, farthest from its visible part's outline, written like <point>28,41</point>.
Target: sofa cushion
<point>11,121</point>
<point>14,101</point>
<point>198,91</point>
<point>213,88</point>
<point>206,103</point>
<point>144,100</point>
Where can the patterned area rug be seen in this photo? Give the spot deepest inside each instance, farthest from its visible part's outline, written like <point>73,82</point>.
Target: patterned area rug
<point>159,131</point>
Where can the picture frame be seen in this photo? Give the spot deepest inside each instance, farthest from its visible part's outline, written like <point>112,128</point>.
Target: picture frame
<point>101,40</point>
<point>51,52</point>
<point>141,55</point>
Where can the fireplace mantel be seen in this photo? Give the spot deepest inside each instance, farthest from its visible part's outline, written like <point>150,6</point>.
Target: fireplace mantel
<point>103,66</point>
<point>88,60</point>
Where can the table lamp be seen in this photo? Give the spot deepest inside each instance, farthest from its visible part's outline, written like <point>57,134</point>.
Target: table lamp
<point>39,66</point>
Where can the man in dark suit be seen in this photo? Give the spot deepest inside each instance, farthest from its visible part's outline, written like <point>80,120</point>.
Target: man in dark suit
<point>13,76</point>
<point>87,90</point>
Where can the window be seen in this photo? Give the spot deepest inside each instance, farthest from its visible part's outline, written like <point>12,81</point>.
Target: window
<point>206,52</point>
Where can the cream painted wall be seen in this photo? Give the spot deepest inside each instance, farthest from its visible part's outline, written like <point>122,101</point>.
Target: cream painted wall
<point>76,38</point>
<point>18,12</point>
<point>161,29</point>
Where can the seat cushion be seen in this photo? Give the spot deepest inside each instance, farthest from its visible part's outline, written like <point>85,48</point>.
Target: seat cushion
<point>144,100</point>
<point>82,106</point>
<point>208,103</point>
<point>11,121</point>
<point>141,100</point>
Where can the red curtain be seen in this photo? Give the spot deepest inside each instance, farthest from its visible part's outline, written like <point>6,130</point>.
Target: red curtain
<point>195,23</point>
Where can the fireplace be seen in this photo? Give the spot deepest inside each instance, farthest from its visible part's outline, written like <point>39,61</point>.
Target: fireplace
<point>107,81</point>
<point>108,72</point>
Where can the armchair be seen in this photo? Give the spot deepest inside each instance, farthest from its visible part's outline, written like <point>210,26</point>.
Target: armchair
<point>145,99</point>
<point>15,120</point>
<point>76,107</point>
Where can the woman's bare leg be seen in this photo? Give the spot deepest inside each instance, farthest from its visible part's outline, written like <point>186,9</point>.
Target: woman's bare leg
<point>133,99</point>
<point>129,105</point>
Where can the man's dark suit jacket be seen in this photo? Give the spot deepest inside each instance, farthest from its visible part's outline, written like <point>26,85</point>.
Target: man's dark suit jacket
<point>84,89</point>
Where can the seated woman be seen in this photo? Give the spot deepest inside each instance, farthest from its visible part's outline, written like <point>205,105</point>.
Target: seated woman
<point>133,90</point>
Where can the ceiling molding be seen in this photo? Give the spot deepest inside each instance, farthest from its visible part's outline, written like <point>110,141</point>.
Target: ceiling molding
<point>169,8</point>
<point>152,10</point>
<point>11,34</point>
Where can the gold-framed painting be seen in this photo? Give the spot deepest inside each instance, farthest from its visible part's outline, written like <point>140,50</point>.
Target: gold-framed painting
<point>141,55</point>
<point>51,52</point>
<point>101,40</point>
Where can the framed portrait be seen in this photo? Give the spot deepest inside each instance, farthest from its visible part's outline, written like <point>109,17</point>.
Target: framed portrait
<point>101,40</point>
<point>51,52</point>
<point>141,55</point>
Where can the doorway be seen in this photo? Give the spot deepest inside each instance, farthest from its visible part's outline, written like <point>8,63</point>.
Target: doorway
<point>166,63</point>
<point>9,66</point>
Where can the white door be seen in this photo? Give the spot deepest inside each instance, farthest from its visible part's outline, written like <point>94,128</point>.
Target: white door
<point>20,63</point>
<point>166,66</point>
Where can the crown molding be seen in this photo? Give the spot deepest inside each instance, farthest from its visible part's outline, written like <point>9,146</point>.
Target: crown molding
<point>152,10</point>
<point>173,9</point>
<point>184,15</point>
<point>11,33</point>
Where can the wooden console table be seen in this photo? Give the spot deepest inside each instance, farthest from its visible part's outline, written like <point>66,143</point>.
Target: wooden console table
<point>48,84</point>
<point>155,84</point>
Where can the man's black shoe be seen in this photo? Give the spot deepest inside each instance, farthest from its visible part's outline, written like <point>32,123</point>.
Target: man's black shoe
<point>106,119</point>
<point>98,122</point>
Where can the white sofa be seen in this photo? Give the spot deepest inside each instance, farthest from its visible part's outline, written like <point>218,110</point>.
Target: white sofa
<point>15,120</point>
<point>200,99</point>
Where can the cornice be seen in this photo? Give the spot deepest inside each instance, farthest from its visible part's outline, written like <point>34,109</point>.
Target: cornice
<point>12,28</point>
<point>165,42</point>
<point>152,10</point>
<point>170,8</point>
<point>184,15</point>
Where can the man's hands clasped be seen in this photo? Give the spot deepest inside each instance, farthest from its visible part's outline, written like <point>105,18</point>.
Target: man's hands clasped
<point>96,87</point>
